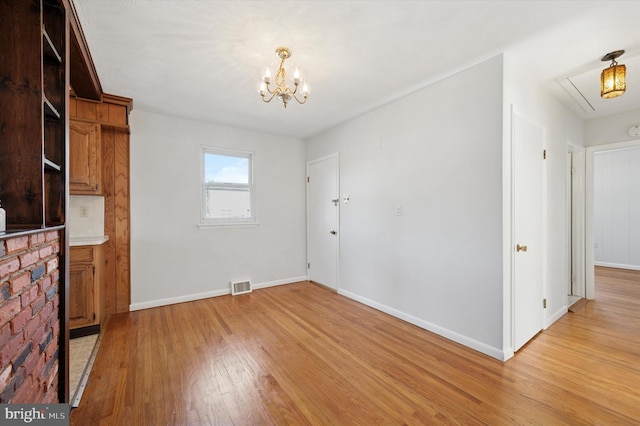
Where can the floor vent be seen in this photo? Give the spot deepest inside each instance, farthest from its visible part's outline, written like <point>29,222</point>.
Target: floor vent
<point>240,287</point>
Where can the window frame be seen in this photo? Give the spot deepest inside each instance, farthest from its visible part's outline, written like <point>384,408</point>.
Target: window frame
<point>206,222</point>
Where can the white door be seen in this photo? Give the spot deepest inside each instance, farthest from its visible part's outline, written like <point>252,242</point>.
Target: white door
<point>528,308</point>
<point>322,221</point>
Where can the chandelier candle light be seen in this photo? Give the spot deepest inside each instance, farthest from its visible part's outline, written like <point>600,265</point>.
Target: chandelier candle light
<point>281,90</point>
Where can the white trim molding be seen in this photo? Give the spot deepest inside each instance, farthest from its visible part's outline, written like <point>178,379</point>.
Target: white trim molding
<point>434,328</point>
<point>198,296</point>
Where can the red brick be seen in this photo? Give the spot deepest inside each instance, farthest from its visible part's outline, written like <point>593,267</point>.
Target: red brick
<point>29,295</point>
<point>5,334</point>
<point>53,375</point>
<point>51,349</point>
<point>46,311</point>
<point>6,375</point>
<point>20,320</point>
<point>39,333</point>
<point>29,259</point>
<point>45,283</point>
<point>36,239</point>
<point>56,324</point>
<point>23,392</point>
<point>56,301</point>
<point>9,309</point>
<point>20,282</point>
<point>17,244</point>
<point>52,235</point>
<point>5,293</point>
<point>9,266</point>
<point>11,349</point>
<point>37,371</point>
<point>56,247</point>
<point>51,397</point>
<point>52,265</point>
<point>46,252</point>
<point>32,327</point>
<point>38,304</point>
<point>31,362</point>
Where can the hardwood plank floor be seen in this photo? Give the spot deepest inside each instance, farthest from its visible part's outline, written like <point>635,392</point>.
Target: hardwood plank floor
<point>300,354</point>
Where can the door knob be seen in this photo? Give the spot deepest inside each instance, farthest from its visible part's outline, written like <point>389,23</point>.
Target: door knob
<point>521,248</point>
<point>333,232</point>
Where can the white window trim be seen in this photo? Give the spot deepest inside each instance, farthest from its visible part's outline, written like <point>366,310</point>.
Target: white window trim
<point>206,223</point>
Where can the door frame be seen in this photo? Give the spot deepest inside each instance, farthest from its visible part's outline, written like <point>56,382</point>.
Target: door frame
<point>575,238</point>
<point>589,231</point>
<point>335,156</point>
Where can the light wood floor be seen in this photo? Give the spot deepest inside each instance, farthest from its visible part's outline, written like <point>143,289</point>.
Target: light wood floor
<point>299,354</point>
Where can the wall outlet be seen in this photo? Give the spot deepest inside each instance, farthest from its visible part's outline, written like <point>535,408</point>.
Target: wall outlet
<point>399,210</point>
<point>84,211</point>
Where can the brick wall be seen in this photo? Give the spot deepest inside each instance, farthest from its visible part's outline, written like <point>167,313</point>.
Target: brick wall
<point>29,325</point>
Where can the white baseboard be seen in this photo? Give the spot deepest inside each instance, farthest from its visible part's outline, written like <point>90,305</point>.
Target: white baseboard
<point>444,332</point>
<point>617,265</point>
<point>556,316</point>
<point>215,293</point>
<point>280,282</point>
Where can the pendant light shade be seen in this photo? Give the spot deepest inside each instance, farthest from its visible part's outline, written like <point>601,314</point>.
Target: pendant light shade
<point>613,79</point>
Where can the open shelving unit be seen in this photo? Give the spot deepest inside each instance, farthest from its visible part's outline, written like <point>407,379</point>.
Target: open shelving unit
<point>34,63</point>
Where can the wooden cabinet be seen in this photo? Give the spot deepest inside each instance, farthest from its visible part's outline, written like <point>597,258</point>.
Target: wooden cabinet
<point>82,310</point>
<point>33,119</point>
<point>111,115</point>
<point>85,286</point>
<point>84,158</point>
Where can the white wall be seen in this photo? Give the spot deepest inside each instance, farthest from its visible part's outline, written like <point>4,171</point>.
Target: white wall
<point>616,210</point>
<point>172,260</point>
<point>438,153</point>
<point>534,100</point>
<point>611,129</point>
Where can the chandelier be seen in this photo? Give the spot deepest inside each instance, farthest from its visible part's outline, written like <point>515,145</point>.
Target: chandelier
<point>281,91</point>
<point>612,79</point>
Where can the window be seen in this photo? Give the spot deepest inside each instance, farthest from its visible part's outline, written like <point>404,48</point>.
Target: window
<point>227,187</point>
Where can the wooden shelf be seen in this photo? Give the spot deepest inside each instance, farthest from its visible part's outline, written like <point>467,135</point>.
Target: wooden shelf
<point>50,165</point>
<point>49,109</point>
<point>49,50</point>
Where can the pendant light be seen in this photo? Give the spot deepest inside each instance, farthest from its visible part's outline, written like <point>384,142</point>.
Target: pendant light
<point>612,79</point>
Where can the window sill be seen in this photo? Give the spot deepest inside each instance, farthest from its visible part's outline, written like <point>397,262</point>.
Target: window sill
<point>252,224</point>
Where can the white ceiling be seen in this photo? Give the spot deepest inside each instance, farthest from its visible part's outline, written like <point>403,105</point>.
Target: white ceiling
<point>202,59</point>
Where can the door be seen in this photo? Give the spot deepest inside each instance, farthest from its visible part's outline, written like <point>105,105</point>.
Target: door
<point>322,221</point>
<point>84,158</point>
<point>81,295</point>
<point>528,310</point>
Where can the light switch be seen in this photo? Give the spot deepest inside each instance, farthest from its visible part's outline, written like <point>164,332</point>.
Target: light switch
<point>84,211</point>
<point>399,210</point>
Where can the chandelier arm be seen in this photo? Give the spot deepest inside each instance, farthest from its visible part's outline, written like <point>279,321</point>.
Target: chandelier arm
<point>272,92</point>
<point>299,101</point>
<point>273,95</point>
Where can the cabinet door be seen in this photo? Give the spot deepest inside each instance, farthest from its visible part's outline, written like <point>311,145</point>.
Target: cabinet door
<point>84,158</point>
<point>81,295</point>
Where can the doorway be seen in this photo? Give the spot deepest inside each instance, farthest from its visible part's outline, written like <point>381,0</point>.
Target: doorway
<point>589,210</point>
<point>323,208</point>
<point>575,224</point>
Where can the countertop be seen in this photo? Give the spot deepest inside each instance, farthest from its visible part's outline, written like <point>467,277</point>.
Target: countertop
<point>88,241</point>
